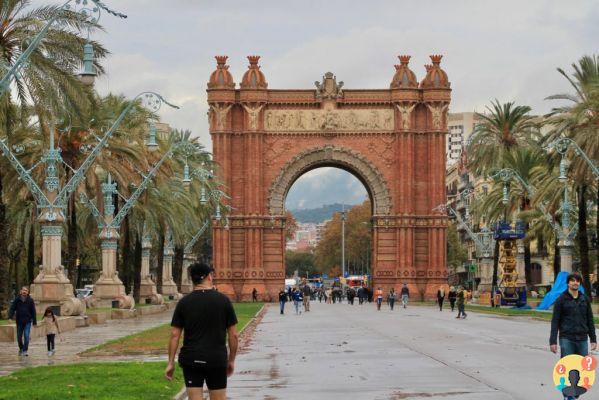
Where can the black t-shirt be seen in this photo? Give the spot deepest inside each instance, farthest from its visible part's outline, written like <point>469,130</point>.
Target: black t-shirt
<point>204,316</point>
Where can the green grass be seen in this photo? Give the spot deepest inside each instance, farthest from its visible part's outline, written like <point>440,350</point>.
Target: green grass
<point>155,340</point>
<point>97,381</point>
<point>512,312</point>
<point>12,321</point>
<point>103,381</point>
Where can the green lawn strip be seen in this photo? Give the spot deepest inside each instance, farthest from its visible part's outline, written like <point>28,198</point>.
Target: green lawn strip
<point>98,381</point>
<point>512,312</point>
<point>12,321</point>
<point>154,340</point>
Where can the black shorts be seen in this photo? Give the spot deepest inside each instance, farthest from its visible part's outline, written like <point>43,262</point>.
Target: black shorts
<point>215,377</point>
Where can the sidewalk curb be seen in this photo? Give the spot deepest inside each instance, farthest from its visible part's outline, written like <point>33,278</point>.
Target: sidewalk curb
<point>182,395</point>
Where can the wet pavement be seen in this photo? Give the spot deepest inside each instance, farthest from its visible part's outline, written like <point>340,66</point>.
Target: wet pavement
<point>70,343</point>
<point>337,351</point>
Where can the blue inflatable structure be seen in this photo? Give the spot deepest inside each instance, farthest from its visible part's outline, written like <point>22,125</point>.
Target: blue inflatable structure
<point>559,287</point>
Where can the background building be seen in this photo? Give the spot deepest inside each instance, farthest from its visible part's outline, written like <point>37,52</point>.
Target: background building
<point>460,127</point>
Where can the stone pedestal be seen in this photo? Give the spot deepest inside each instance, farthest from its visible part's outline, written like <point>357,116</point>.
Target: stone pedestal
<point>108,287</point>
<point>486,274</point>
<point>51,286</point>
<point>186,284</point>
<point>565,255</point>
<point>147,287</point>
<point>169,287</point>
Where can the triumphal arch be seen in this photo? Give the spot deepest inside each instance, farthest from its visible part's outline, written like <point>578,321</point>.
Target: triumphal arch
<point>392,139</point>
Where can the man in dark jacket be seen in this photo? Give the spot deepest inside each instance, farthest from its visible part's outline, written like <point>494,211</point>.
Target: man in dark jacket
<point>23,309</point>
<point>573,319</point>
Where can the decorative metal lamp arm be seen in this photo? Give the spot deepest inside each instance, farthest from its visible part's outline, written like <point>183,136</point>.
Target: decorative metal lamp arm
<point>562,145</point>
<point>93,209</point>
<point>36,191</point>
<point>22,60</point>
<point>151,100</point>
<point>196,237</point>
<point>116,222</point>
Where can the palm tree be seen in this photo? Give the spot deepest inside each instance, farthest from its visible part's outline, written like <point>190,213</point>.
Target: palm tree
<point>502,129</point>
<point>579,120</point>
<point>48,81</point>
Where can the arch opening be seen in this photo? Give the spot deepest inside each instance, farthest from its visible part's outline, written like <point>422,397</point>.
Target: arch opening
<point>314,205</point>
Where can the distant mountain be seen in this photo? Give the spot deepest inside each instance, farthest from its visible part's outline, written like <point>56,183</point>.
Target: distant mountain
<point>320,214</point>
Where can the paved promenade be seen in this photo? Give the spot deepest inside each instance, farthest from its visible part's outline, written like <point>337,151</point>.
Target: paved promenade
<point>337,351</point>
<point>73,342</point>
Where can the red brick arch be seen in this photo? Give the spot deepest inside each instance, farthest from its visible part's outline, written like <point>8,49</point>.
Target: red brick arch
<point>330,156</point>
<point>392,139</point>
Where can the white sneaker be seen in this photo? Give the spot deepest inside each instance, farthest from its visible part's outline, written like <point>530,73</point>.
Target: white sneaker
<point>49,353</point>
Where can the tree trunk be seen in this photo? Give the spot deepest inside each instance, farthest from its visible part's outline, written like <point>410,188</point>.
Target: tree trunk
<point>556,261</point>
<point>137,267</point>
<point>72,247</point>
<point>5,293</point>
<point>583,239</point>
<point>127,266</point>
<point>31,254</point>
<point>160,259</point>
<point>527,263</point>
<point>495,271</point>
<point>178,266</point>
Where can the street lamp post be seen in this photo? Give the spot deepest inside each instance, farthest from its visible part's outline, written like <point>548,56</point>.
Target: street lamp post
<point>483,240</point>
<point>51,286</point>
<point>343,218</point>
<point>147,287</point>
<point>565,230</point>
<point>186,284</point>
<point>169,287</point>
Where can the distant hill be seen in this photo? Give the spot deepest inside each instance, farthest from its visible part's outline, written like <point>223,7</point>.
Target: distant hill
<point>321,214</point>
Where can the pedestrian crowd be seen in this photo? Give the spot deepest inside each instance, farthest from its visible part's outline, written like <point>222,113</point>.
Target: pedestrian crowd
<point>302,294</point>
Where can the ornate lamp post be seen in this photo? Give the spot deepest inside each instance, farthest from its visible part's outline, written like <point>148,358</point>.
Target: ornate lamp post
<point>483,240</point>
<point>565,231</point>
<point>186,284</point>
<point>51,286</point>
<point>169,287</point>
<point>343,218</point>
<point>109,285</point>
<point>147,287</point>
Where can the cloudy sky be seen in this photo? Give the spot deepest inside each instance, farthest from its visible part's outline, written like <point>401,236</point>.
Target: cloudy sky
<point>506,49</point>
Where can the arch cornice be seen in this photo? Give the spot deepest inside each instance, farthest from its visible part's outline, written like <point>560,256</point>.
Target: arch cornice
<point>330,155</point>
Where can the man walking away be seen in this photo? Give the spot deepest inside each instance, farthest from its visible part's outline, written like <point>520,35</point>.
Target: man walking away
<point>379,298</point>
<point>23,310</point>
<point>205,317</point>
<point>452,296</point>
<point>254,295</point>
<point>391,298</point>
<point>282,300</point>
<point>441,297</point>
<point>360,295</point>
<point>405,295</point>
<point>461,302</point>
<point>573,320</point>
<point>307,295</point>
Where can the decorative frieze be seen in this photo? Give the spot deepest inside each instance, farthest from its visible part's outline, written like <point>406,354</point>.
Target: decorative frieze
<point>337,120</point>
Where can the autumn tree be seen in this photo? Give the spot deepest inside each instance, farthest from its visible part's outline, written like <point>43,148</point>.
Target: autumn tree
<point>358,241</point>
<point>290,226</point>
